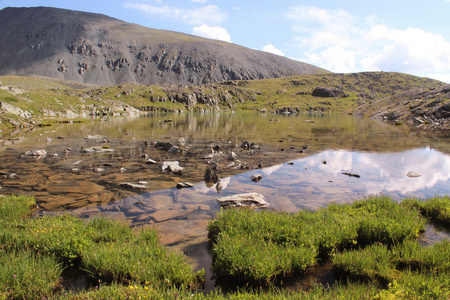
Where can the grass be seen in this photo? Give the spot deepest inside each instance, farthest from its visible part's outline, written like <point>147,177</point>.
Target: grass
<point>25,275</point>
<point>436,209</point>
<point>107,251</point>
<point>255,248</point>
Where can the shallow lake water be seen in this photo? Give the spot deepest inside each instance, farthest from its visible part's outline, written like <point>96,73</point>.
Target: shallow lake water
<point>306,161</point>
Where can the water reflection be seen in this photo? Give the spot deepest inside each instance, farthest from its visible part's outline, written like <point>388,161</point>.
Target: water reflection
<point>311,182</point>
<point>314,181</point>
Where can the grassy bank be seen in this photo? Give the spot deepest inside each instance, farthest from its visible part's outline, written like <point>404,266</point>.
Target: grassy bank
<point>372,244</point>
<point>366,93</point>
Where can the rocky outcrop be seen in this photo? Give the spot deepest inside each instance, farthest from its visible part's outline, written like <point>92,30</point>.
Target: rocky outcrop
<point>415,106</point>
<point>328,92</point>
<point>11,109</point>
<point>97,49</point>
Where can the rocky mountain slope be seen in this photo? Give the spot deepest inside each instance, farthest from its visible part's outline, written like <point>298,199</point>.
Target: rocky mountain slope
<point>97,49</point>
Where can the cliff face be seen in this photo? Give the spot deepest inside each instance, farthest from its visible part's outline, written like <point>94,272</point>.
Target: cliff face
<point>97,49</point>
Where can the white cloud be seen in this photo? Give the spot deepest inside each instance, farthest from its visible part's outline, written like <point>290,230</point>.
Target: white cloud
<point>271,49</point>
<point>217,33</point>
<point>412,50</point>
<point>209,14</point>
<point>335,58</point>
<point>340,42</point>
<point>200,1</point>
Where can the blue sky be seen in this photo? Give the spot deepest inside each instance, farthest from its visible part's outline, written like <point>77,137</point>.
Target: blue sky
<point>409,36</point>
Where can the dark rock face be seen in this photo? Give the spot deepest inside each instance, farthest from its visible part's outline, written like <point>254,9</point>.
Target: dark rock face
<point>97,49</point>
<point>328,92</point>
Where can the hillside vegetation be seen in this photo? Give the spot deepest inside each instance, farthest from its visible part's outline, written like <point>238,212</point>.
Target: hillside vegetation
<point>30,101</point>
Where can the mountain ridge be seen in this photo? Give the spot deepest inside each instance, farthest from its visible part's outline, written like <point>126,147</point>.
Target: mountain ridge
<point>97,49</point>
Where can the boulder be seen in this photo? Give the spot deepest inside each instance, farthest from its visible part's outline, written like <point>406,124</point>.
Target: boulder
<point>251,200</point>
<point>328,92</point>
<point>173,166</point>
<point>210,175</point>
<point>36,153</point>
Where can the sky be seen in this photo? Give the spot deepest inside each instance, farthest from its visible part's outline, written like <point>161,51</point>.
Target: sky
<point>408,36</point>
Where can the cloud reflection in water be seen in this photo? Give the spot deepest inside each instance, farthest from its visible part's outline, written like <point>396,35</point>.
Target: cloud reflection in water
<point>310,182</point>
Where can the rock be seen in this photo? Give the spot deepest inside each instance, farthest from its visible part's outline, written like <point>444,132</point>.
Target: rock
<point>8,108</point>
<point>163,145</point>
<point>214,155</point>
<point>251,200</point>
<point>246,145</point>
<point>210,175</point>
<point>219,187</point>
<point>36,153</point>
<point>123,170</point>
<point>94,137</point>
<point>181,185</point>
<point>232,156</point>
<point>175,150</point>
<point>413,174</point>
<point>150,161</point>
<point>328,92</point>
<point>99,170</point>
<point>96,149</point>
<point>181,141</point>
<point>133,186</point>
<point>256,177</point>
<point>172,166</point>
<point>351,174</point>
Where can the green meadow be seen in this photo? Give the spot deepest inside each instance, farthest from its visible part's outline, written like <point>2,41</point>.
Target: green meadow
<point>372,245</point>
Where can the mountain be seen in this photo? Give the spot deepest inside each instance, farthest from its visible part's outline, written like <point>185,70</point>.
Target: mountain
<point>97,49</point>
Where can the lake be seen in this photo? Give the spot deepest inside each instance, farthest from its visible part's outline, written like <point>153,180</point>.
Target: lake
<point>306,161</point>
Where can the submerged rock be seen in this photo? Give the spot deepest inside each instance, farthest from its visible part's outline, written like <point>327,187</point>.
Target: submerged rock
<point>94,137</point>
<point>252,200</point>
<point>133,186</point>
<point>256,177</point>
<point>36,153</point>
<point>96,150</point>
<point>351,174</point>
<point>175,150</point>
<point>163,145</point>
